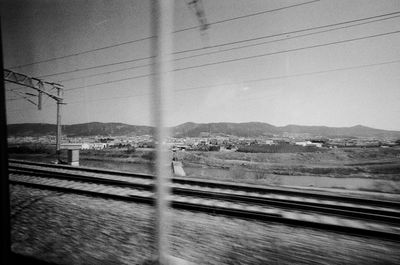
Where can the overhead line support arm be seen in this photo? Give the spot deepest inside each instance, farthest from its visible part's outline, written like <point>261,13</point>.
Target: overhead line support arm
<point>31,82</point>
<point>40,86</point>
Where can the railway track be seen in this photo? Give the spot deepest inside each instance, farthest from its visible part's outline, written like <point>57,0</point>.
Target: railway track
<point>317,210</point>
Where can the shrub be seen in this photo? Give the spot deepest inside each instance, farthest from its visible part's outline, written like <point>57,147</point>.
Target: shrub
<point>130,150</point>
<point>31,149</point>
<point>149,156</point>
<point>280,148</point>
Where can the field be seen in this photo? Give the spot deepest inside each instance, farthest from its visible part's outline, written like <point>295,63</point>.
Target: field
<point>362,169</point>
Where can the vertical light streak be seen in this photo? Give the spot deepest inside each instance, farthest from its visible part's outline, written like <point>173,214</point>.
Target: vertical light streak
<point>162,27</point>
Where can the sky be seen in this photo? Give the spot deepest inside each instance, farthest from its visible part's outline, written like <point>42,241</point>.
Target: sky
<point>275,67</point>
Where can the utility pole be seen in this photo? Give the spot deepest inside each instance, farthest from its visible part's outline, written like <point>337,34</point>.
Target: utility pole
<point>42,87</point>
<point>58,136</point>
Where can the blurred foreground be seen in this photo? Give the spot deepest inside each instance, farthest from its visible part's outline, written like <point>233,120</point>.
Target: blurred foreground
<point>73,229</point>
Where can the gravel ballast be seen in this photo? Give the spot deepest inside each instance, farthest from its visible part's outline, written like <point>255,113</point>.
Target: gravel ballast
<point>74,229</point>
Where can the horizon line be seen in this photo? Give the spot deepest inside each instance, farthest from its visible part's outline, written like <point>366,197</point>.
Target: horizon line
<point>393,130</point>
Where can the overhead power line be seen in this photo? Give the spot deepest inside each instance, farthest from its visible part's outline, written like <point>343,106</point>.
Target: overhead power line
<point>99,66</point>
<point>14,99</point>
<point>290,50</point>
<point>246,58</point>
<point>80,53</point>
<point>297,31</point>
<point>110,82</point>
<point>149,37</point>
<point>377,19</point>
<point>250,15</point>
<point>26,109</point>
<point>249,81</point>
<point>23,96</point>
<point>283,39</point>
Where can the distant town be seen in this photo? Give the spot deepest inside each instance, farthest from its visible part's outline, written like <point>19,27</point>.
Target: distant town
<point>208,142</point>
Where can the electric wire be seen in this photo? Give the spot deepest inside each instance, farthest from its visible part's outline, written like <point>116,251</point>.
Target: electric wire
<point>150,37</point>
<point>248,81</point>
<point>224,50</point>
<point>22,95</point>
<point>243,58</point>
<point>290,32</point>
<point>250,15</point>
<point>289,50</point>
<point>284,39</point>
<point>226,44</point>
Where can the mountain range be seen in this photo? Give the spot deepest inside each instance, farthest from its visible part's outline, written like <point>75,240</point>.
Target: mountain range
<point>191,129</point>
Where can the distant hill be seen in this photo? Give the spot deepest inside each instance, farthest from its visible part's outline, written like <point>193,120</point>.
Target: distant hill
<point>112,129</point>
<point>357,131</point>
<point>247,129</point>
<point>31,129</point>
<point>84,129</point>
<point>190,129</point>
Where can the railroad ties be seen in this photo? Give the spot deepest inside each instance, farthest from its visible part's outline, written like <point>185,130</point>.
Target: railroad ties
<point>365,217</point>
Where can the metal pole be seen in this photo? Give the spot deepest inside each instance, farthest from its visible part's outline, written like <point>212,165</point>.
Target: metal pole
<point>58,135</point>
<point>162,27</point>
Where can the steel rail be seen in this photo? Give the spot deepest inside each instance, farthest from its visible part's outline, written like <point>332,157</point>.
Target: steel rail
<point>383,215</point>
<point>240,213</point>
<point>228,185</point>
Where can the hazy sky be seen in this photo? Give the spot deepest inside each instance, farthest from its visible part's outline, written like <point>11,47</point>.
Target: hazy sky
<point>288,80</point>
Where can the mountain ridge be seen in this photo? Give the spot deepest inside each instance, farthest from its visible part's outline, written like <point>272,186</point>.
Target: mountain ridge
<point>192,129</point>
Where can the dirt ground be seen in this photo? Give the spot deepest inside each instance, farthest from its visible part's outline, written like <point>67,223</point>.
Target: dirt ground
<point>74,229</point>
<point>340,162</point>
